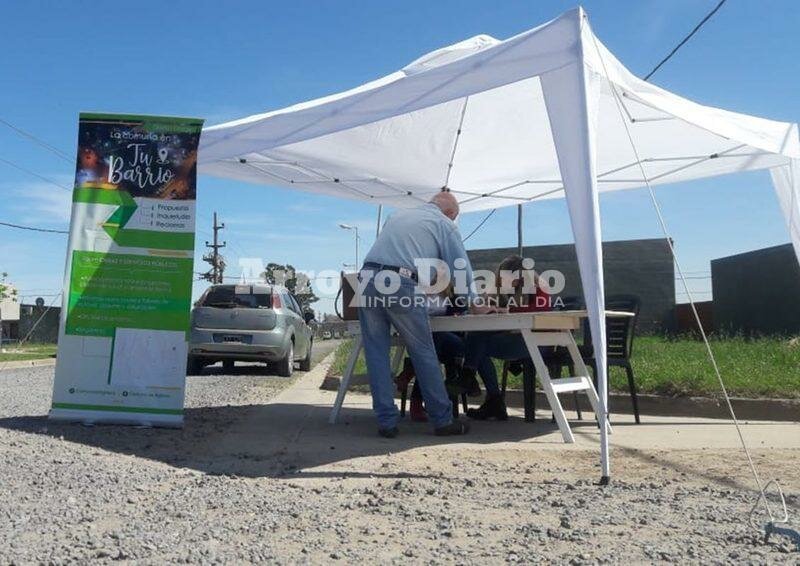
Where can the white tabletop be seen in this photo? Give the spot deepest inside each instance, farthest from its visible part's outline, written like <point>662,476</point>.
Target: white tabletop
<point>540,321</point>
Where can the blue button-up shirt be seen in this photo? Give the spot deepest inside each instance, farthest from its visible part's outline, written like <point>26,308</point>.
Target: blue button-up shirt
<point>421,232</point>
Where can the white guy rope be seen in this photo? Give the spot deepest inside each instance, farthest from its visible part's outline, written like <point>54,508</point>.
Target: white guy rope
<point>662,222</point>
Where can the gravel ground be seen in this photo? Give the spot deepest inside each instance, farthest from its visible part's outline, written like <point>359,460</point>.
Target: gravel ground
<point>70,493</point>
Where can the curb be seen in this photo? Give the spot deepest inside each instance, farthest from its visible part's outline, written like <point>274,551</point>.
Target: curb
<point>783,410</point>
<point>659,405</point>
<point>18,364</point>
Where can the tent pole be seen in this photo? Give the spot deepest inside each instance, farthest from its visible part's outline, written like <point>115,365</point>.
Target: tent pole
<point>378,223</point>
<point>571,99</point>
<point>519,230</point>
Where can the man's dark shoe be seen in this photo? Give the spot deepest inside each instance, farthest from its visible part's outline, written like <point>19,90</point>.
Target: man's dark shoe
<point>493,408</point>
<point>388,432</point>
<point>455,428</point>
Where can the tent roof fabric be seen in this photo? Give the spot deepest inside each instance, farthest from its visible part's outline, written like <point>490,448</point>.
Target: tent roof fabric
<point>472,117</point>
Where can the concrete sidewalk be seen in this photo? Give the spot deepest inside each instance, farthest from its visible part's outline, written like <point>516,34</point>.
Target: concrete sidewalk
<point>302,412</point>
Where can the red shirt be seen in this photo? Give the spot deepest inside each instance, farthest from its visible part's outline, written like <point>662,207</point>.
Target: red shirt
<point>536,303</point>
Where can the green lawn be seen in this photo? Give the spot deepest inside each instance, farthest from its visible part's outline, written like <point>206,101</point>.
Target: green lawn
<point>763,367</point>
<point>12,353</point>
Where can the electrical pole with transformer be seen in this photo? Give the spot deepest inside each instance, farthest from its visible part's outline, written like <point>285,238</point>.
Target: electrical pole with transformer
<point>214,258</point>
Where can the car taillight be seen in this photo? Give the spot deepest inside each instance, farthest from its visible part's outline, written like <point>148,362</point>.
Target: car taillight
<point>276,301</point>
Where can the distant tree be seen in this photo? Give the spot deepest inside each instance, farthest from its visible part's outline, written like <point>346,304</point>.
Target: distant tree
<point>5,292</point>
<point>298,284</point>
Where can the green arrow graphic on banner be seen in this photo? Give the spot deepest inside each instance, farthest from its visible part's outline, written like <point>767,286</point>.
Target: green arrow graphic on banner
<point>115,224</point>
<point>121,216</point>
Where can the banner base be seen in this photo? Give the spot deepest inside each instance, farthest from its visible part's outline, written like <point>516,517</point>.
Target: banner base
<point>102,417</point>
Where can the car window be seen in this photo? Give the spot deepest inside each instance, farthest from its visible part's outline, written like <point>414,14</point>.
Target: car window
<point>297,308</point>
<point>237,296</point>
<point>286,299</point>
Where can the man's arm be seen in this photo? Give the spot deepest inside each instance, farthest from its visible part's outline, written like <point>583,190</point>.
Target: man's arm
<point>452,248</point>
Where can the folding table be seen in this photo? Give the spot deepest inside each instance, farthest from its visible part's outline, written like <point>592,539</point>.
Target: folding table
<point>549,328</point>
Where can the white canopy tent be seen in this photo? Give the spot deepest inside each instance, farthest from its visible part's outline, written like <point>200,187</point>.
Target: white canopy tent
<point>549,113</point>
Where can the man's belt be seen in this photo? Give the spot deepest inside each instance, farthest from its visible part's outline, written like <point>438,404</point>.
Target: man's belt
<point>403,271</point>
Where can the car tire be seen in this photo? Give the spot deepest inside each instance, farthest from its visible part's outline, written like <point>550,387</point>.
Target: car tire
<point>305,363</point>
<point>228,365</point>
<point>194,366</point>
<point>286,365</point>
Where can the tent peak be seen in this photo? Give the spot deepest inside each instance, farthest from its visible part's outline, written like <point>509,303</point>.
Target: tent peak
<point>450,53</point>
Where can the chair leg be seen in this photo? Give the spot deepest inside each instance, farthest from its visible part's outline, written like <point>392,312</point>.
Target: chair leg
<point>464,402</point>
<point>575,397</point>
<point>632,388</point>
<point>454,402</point>
<point>529,390</point>
<point>504,381</point>
<point>592,365</point>
<point>577,401</point>
<point>555,372</point>
<point>403,399</point>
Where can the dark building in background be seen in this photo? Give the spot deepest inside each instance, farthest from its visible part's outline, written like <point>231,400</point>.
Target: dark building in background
<point>757,292</point>
<point>39,324</point>
<point>685,321</point>
<point>632,267</point>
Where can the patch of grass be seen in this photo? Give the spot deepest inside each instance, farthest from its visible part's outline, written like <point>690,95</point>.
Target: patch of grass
<point>759,367</point>
<point>13,353</point>
<point>340,359</point>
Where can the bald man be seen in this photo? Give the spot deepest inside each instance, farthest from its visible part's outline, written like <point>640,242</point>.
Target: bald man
<point>425,232</point>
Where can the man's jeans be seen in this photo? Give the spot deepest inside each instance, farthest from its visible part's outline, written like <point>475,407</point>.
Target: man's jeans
<point>482,346</point>
<point>411,321</point>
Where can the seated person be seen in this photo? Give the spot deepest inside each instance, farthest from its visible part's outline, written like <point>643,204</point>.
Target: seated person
<point>449,350</point>
<point>482,346</point>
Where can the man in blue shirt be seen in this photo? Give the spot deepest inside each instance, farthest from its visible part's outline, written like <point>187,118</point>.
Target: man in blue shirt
<point>390,298</point>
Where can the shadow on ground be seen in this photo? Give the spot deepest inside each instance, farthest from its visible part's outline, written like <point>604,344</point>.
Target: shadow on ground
<point>273,440</point>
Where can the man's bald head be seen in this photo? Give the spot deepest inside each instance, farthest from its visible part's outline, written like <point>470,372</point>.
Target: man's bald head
<point>447,203</point>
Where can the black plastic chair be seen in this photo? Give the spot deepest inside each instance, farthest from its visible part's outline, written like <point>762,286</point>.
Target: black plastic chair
<point>620,332</point>
<point>528,371</point>
<point>453,400</point>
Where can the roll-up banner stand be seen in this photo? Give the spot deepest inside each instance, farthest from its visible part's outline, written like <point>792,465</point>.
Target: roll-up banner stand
<point>123,335</point>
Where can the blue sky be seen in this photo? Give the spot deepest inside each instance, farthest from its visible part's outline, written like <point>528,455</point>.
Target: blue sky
<point>221,61</point>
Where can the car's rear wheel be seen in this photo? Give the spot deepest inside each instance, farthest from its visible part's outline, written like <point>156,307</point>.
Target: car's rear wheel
<point>305,363</point>
<point>286,365</point>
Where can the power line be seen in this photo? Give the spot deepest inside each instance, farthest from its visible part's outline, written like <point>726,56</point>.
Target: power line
<point>29,172</point>
<point>37,141</point>
<point>647,77</point>
<point>33,229</point>
<point>685,39</point>
<point>482,222</point>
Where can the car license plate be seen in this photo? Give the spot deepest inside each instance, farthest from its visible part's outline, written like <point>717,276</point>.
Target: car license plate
<point>230,339</point>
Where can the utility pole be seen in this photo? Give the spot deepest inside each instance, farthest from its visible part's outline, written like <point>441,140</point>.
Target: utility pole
<point>215,275</point>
